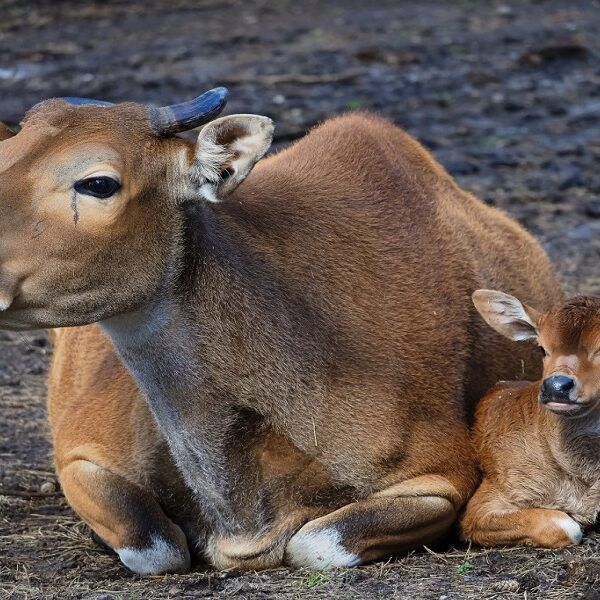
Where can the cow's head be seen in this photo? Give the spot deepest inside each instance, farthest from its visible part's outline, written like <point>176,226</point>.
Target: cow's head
<point>92,196</point>
<point>569,341</point>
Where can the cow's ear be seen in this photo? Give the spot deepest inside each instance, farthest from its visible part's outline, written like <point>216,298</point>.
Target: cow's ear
<point>226,151</point>
<point>507,315</point>
<point>5,132</point>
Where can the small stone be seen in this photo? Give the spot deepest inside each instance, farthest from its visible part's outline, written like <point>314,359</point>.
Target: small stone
<point>507,585</point>
<point>504,10</point>
<point>278,99</point>
<point>592,209</point>
<point>573,179</point>
<point>48,487</point>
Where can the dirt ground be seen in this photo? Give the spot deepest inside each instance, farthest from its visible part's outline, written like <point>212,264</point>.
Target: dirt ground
<point>506,95</point>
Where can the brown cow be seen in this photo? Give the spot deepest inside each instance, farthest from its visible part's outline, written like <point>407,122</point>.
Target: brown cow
<point>539,443</point>
<point>301,331</point>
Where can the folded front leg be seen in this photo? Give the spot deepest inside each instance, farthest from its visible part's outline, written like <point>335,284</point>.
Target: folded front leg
<point>395,520</point>
<point>490,520</point>
<point>127,518</point>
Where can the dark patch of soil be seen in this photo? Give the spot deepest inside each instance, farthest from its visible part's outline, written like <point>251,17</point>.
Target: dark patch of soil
<point>506,95</point>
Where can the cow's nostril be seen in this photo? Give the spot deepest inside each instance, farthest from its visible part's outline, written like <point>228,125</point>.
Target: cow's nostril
<point>557,386</point>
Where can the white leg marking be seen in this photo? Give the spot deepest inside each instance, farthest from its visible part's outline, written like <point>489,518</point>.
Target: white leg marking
<point>160,557</point>
<point>319,549</point>
<point>6,300</point>
<point>570,527</point>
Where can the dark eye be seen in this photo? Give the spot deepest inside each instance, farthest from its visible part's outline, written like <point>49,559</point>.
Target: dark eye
<point>543,351</point>
<point>99,187</point>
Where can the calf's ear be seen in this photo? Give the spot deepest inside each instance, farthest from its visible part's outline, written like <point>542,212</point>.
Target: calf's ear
<point>507,315</point>
<point>226,150</point>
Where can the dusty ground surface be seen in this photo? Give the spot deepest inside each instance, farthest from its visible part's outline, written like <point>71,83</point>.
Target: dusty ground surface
<point>507,96</point>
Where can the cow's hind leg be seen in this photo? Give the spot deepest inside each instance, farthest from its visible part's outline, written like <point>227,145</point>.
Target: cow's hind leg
<point>127,518</point>
<point>400,518</point>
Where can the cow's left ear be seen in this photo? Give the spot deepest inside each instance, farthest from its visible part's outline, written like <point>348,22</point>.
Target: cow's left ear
<point>226,151</point>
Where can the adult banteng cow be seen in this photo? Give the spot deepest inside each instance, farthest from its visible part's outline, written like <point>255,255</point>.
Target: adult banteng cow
<point>302,330</point>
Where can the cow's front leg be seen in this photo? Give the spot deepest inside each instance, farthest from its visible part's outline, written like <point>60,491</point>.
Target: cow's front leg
<point>126,517</point>
<point>256,551</point>
<point>395,520</point>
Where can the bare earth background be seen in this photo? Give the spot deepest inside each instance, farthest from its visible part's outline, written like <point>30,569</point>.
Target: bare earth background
<point>506,95</point>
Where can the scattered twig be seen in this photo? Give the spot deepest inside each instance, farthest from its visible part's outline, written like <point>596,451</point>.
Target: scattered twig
<point>19,494</point>
<point>435,554</point>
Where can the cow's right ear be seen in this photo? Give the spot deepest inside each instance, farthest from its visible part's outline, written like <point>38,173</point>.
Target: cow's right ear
<point>507,315</point>
<point>226,150</point>
<point>5,132</point>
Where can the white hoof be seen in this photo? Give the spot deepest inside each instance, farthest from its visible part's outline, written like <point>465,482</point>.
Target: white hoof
<point>571,528</point>
<point>160,557</point>
<point>320,549</point>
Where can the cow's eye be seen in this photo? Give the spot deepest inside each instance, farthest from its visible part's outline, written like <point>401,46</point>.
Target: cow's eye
<point>99,187</point>
<point>543,351</point>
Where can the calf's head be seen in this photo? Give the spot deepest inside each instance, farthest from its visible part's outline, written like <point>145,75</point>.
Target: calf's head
<point>92,196</point>
<point>569,340</point>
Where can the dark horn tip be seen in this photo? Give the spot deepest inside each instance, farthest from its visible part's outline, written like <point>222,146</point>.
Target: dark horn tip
<point>176,118</point>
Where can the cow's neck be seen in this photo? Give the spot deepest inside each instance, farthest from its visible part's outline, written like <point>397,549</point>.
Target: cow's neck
<point>177,349</point>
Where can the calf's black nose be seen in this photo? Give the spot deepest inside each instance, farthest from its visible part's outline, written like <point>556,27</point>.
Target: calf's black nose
<point>557,387</point>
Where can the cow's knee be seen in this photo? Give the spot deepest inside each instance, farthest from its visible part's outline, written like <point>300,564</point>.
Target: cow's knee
<point>127,518</point>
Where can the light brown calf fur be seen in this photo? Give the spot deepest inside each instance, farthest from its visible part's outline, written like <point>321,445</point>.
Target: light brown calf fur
<point>539,443</point>
<point>302,336</point>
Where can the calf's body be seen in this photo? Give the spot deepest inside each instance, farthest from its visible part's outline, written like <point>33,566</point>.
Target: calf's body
<point>539,443</point>
<point>541,483</point>
<point>297,338</point>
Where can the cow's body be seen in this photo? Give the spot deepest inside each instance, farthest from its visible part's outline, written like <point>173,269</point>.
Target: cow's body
<point>311,346</point>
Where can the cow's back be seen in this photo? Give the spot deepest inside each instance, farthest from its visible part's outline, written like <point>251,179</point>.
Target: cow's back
<point>362,220</point>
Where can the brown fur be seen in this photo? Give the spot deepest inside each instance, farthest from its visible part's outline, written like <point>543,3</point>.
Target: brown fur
<point>306,344</point>
<point>112,463</point>
<point>541,469</point>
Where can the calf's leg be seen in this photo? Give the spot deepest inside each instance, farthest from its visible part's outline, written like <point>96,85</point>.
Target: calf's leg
<point>395,520</point>
<point>126,517</point>
<point>490,520</point>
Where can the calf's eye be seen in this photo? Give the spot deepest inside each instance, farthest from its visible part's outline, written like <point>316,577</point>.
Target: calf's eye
<point>543,351</point>
<point>99,187</point>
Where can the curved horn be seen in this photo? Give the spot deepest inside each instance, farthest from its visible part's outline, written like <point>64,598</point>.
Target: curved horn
<point>81,101</point>
<point>167,120</point>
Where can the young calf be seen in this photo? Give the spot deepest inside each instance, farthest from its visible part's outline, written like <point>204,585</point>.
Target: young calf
<point>539,443</point>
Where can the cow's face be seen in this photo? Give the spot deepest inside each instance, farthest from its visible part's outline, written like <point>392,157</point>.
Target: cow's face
<point>90,206</point>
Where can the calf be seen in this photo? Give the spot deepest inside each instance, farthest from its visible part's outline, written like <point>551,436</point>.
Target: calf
<point>539,443</point>
<point>292,325</point>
